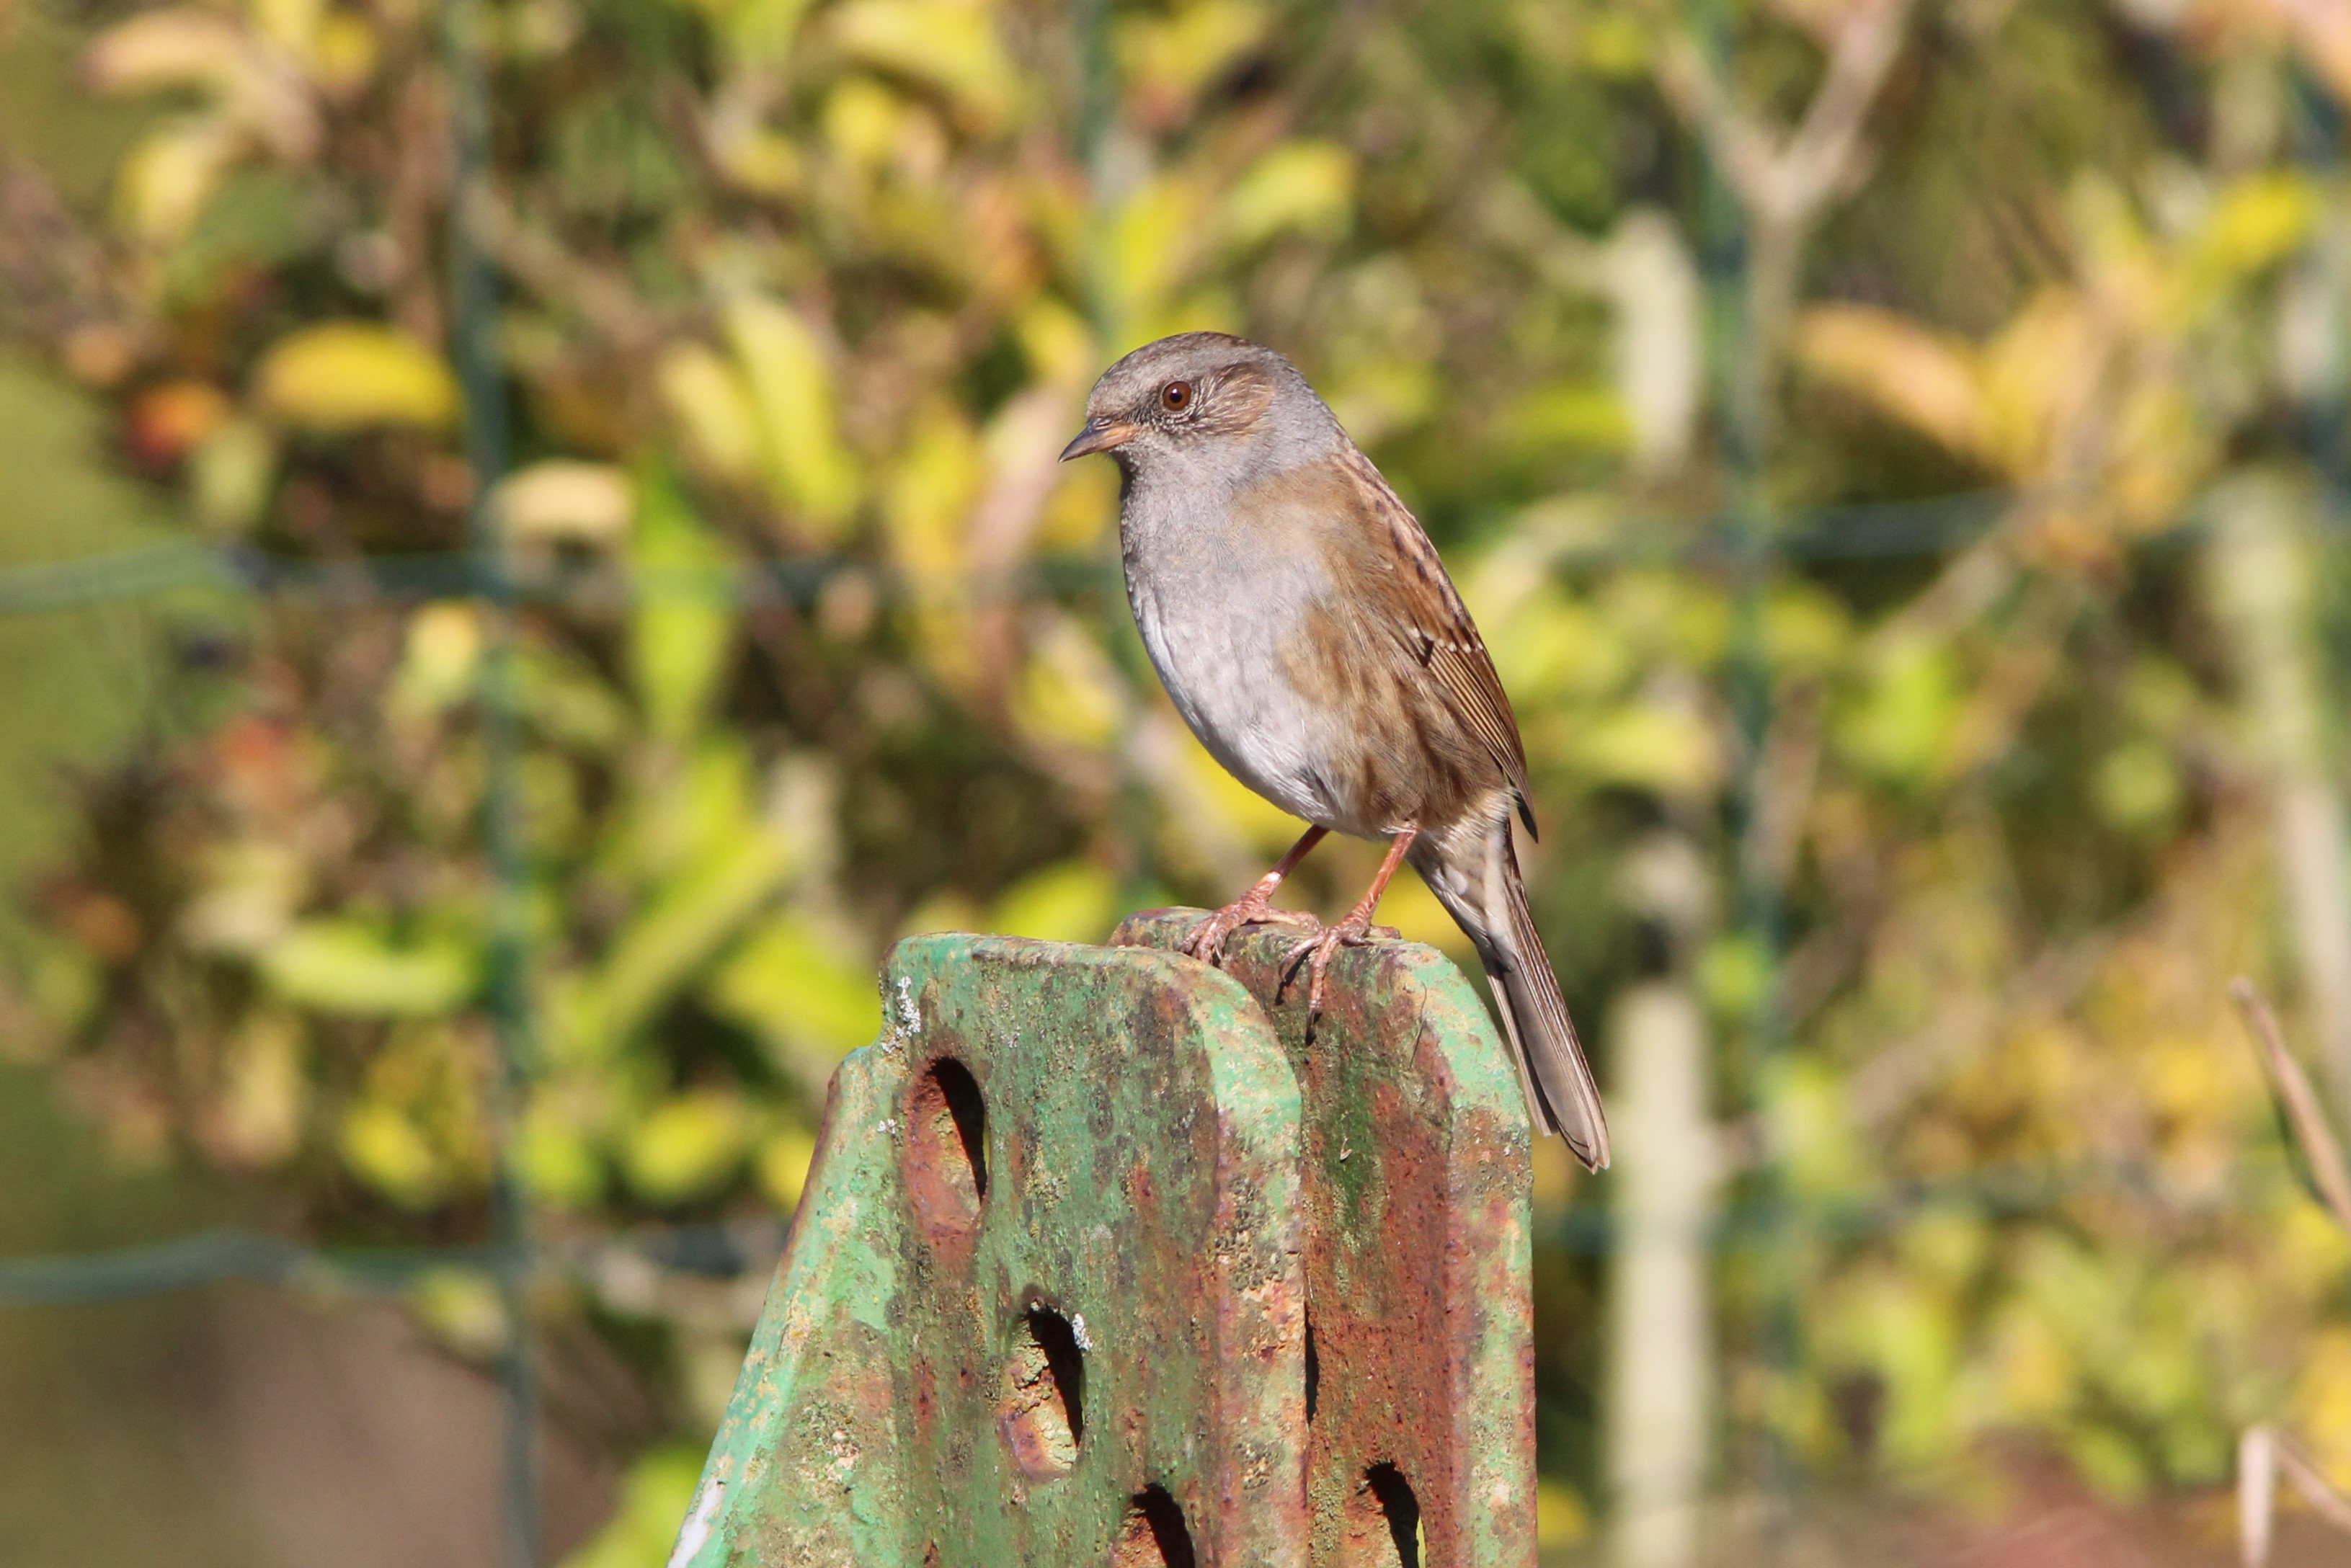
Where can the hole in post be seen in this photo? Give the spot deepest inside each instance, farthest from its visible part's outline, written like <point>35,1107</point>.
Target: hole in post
<point>1155,1534</point>
<point>1314,1370</point>
<point>946,1146</point>
<point>1044,1417</point>
<point>1382,1529</point>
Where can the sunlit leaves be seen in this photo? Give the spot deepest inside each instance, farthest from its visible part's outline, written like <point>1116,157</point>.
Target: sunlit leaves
<point>682,627</point>
<point>354,967</point>
<point>686,1148</point>
<point>948,45</point>
<point>1168,58</point>
<point>340,376</point>
<point>557,501</point>
<point>1073,902</point>
<point>1301,187</point>
<point>801,987</point>
<point>792,402</point>
<point>418,1134</point>
<point>655,1494</point>
<point>1928,380</point>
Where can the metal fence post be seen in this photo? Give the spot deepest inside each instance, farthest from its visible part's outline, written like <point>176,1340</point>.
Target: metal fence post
<point>1104,1261</point>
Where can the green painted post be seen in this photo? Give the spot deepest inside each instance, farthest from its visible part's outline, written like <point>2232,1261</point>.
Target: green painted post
<point>1074,1282</point>
<point>1418,1254</point>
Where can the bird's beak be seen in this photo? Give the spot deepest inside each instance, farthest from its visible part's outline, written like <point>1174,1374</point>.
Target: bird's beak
<point>1100,435</point>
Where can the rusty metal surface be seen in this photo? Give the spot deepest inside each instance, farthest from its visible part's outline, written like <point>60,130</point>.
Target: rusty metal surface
<point>1416,1181</point>
<point>1048,1314</point>
<point>1141,1276</point>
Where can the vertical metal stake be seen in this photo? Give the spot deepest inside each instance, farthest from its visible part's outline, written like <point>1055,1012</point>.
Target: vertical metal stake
<point>473,331</point>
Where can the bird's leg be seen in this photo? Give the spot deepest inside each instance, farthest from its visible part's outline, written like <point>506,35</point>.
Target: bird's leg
<point>1254,907</point>
<point>1356,931</point>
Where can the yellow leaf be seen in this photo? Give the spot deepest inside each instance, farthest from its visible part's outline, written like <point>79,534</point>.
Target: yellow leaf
<point>1301,187</point>
<point>1901,728</point>
<point>230,474</point>
<point>258,1118</point>
<point>1075,901</point>
<point>687,1148</point>
<point>782,1164</point>
<point>562,499</point>
<point>656,1494</point>
<point>341,376</point>
<point>556,1157</point>
<point>1070,693</point>
<point>1154,238</point>
<point>1569,417</point>
<point>929,495</point>
<point>1560,1518</point>
<point>1171,59</point>
<point>2257,222</point>
<point>802,986</point>
<point>1650,746</point>
<point>463,1307</point>
<point>170,174</point>
<point>791,388</point>
<point>390,1152</point>
<point>291,24</point>
<point>436,670</point>
<point>345,53</point>
<point>712,405</point>
<point>158,49</point>
<point>948,45</point>
<point>1926,379</point>
<point>2039,373</point>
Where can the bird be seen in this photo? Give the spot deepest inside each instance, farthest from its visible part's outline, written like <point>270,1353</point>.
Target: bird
<point>1306,630</point>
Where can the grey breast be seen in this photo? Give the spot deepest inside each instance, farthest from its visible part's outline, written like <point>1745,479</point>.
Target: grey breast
<point>1215,609</point>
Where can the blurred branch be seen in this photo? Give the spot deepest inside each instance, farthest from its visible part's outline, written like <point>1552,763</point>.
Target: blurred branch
<point>1908,1068</point>
<point>2303,1114</point>
<point>2263,1453</point>
<point>54,280</point>
<point>541,262</point>
<point>2260,577</point>
<point>1784,180</point>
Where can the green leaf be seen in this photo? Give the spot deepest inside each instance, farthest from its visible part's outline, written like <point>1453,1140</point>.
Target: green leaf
<point>682,632</point>
<point>662,950</point>
<point>353,967</point>
<point>792,982</point>
<point>654,1498</point>
<point>1901,727</point>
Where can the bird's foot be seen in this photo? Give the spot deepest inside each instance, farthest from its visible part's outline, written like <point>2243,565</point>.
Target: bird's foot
<point>1207,940</point>
<point>1317,951</point>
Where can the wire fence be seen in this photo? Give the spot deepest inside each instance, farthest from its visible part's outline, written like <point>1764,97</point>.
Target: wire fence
<point>1748,544</point>
<point>739,1249</point>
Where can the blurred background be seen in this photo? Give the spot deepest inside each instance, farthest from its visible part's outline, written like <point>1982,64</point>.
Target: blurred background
<point>531,551</point>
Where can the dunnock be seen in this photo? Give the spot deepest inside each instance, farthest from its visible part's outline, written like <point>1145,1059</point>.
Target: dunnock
<point>1307,632</point>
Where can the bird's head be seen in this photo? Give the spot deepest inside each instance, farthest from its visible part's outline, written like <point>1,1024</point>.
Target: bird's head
<point>1197,397</point>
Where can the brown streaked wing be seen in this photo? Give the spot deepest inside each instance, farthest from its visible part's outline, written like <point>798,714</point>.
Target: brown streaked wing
<point>1425,613</point>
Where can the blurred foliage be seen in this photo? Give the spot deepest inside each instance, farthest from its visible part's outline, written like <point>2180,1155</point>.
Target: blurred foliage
<point>802,297</point>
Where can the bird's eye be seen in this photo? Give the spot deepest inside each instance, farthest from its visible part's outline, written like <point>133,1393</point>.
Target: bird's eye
<point>1176,396</point>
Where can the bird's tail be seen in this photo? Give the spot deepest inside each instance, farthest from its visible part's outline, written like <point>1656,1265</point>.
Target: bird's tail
<point>1488,899</point>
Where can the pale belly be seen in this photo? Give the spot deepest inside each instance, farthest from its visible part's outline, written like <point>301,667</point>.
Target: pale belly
<point>1221,659</point>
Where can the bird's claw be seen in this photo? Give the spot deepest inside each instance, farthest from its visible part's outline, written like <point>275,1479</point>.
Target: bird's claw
<point>1207,940</point>
<point>1317,951</point>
